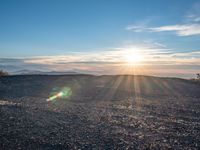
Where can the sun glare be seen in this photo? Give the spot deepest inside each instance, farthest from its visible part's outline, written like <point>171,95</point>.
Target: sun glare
<point>133,58</point>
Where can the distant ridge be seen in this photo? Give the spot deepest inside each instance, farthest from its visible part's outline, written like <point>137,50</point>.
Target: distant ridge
<point>37,72</point>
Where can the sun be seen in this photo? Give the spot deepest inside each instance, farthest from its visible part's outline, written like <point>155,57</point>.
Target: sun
<point>133,58</point>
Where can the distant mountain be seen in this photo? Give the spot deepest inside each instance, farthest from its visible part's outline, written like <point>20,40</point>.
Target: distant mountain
<point>37,72</point>
<point>10,68</point>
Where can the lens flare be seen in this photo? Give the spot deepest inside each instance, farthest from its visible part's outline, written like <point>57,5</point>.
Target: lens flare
<point>65,92</point>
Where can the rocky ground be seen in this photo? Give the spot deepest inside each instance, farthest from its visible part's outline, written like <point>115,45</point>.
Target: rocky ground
<point>99,115</point>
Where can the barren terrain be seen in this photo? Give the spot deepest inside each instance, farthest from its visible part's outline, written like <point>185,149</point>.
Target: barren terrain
<point>102,112</point>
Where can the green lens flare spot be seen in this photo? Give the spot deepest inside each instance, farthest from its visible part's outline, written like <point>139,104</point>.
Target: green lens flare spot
<point>64,93</point>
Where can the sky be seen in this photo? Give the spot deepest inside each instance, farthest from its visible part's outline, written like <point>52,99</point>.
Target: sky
<point>97,36</point>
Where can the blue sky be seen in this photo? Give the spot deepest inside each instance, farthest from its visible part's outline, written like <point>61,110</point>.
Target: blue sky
<point>33,32</point>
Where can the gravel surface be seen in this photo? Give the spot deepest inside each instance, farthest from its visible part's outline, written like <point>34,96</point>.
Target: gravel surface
<point>99,115</point>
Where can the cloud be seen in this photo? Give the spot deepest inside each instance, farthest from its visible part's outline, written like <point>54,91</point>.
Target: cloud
<point>16,64</point>
<point>110,56</point>
<point>191,54</point>
<point>179,29</point>
<point>190,25</point>
<point>157,60</point>
<point>136,28</point>
<point>193,15</point>
<point>10,60</point>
